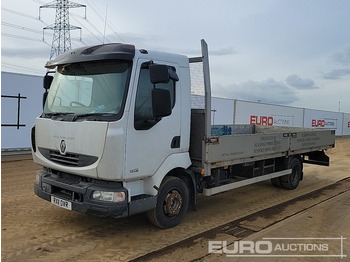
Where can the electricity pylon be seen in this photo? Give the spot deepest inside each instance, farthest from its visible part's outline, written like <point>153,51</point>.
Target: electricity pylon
<point>61,41</point>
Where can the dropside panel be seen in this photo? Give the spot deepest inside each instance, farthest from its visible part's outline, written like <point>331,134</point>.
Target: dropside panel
<point>227,148</point>
<point>311,139</point>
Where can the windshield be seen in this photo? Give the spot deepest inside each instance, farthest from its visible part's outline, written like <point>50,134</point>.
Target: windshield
<point>89,89</point>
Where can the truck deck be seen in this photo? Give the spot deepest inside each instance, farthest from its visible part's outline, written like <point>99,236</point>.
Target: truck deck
<point>235,144</point>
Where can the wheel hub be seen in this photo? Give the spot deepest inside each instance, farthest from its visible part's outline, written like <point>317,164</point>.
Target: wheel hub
<point>173,203</point>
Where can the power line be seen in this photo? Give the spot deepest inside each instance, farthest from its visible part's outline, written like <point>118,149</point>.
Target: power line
<point>94,35</point>
<point>95,10</point>
<point>90,25</point>
<point>105,19</point>
<point>93,26</point>
<point>19,13</point>
<point>22,28</point>
<point>20,67</point>
<point>24,38</point>
<point>38,31</point>
<point>38,1</point>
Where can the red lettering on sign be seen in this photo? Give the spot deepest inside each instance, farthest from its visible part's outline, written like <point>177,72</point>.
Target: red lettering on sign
<point>252,120</point>
<point>261,120</point>
<point>349,124</point>
<point>318,123</point>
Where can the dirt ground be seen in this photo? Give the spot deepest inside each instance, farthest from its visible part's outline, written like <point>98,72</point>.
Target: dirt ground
<point>34,230</point>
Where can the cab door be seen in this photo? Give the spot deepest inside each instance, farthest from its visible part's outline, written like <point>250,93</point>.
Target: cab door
<point>150,140</point>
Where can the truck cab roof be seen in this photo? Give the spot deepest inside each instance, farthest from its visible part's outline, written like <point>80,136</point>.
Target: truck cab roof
<point>112,51</point>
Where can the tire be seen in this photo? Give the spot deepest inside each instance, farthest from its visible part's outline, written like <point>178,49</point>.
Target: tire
<point>276,182</point>
<point>292,180</point>
<point>172,203</point>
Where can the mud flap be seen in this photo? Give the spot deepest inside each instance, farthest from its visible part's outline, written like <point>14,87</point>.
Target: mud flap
<point>317,158</point>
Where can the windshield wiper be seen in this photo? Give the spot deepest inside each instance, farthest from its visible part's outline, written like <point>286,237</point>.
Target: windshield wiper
<point>77,116</point>
<point>55,114</point>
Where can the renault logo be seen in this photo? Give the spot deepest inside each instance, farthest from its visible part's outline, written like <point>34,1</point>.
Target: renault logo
<point>63,147</point>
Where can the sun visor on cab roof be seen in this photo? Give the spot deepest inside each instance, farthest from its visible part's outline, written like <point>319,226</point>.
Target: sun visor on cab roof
<point>94,53</point>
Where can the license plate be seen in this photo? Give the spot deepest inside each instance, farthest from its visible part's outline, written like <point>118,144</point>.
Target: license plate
<point>61,203</point>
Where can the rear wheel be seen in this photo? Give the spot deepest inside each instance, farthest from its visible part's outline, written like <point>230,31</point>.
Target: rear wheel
<point>292,180</point>
<point>172,203</point>
<point>276,182</point>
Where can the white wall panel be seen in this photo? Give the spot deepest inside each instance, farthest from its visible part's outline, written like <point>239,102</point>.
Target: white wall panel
<point>266,114</point>
<point>222,111</point>
<point>324,119</point>
<point>197,102</point>
<point>30,87</point>
<point>346,124</point>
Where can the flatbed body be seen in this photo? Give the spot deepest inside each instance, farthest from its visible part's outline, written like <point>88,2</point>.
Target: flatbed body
<point>236,144</point>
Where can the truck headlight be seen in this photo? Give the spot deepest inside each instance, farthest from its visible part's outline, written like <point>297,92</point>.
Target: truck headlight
<point>38,179</point>
<point>109,196</point>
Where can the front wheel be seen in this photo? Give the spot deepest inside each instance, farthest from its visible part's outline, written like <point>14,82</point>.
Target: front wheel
<point>172,203</point>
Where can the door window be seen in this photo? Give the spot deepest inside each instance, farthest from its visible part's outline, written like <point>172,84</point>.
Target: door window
<point>143,117</point>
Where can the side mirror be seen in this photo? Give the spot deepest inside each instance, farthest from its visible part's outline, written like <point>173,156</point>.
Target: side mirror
<point>47,81</point>
<point>162,74</point>
<point>159,74</point>
<point>161,102</point>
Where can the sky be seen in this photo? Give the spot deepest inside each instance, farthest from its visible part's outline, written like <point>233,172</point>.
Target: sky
<point>287,52</point>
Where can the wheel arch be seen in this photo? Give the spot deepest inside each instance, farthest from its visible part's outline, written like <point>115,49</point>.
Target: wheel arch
<point>171,165</point>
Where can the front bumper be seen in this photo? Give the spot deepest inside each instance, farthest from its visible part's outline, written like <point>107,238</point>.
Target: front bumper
<point>78,191</point>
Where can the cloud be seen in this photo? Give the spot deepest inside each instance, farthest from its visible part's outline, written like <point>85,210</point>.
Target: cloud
<point>342,58</point>
<point>336,74</point>
<point>268,91</point>
<point>26,52</point>
<point>212,52</point>
<point>223,51</point>
<point>300,83</point>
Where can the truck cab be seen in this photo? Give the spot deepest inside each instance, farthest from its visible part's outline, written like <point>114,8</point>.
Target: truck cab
<point>114,123</point>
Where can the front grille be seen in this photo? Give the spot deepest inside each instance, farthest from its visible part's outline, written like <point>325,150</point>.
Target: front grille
<point>69,159</point>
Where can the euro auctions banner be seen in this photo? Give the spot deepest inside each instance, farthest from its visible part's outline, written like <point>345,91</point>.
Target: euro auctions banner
<point>324,119</point>
<point>268,115</point>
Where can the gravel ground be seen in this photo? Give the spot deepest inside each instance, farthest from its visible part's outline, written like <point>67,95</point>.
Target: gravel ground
<point>35,230</point>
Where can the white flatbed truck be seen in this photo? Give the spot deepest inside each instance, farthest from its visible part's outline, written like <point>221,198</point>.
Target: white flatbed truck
<point>117,137</point>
